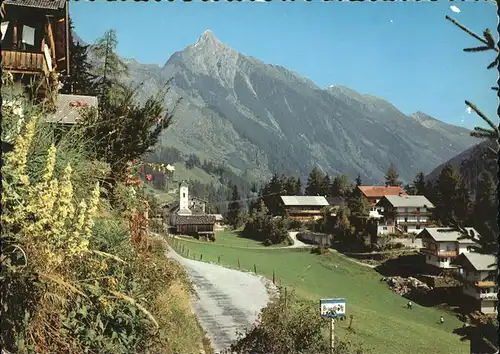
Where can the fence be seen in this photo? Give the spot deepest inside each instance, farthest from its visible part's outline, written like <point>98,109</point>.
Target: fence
<point>181,248</point>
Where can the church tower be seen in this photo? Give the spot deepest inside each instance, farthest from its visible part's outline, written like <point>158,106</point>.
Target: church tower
<point>184,199</point>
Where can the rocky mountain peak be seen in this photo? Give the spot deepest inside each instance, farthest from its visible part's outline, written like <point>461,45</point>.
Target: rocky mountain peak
<point>208,42</point>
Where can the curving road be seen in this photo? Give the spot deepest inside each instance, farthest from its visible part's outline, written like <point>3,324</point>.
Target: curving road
<point>297,243</point>
<point>226,300</point>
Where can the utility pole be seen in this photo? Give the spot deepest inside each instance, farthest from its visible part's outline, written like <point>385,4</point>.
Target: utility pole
<point>332,334</point>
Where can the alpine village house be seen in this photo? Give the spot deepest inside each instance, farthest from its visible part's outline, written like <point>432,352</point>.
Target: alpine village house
<point>478,273</point>
<point>303,208</point>
<point>36,49</point>
<point>188,217</point>
<point>403,214</point>
<point>442,246</point>
<point>374,193</point>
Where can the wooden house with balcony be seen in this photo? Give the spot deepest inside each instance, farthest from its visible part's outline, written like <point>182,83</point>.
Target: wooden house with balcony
<point>442,246</point>
<point>403,214</point>
<point>304,208</point>
<point>478,274</point>
<point>35,40</point>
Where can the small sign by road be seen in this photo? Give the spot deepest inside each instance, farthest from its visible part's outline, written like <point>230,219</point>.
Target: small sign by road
<point>332,308</point>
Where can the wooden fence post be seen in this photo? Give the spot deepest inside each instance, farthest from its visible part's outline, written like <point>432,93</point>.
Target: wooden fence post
<point>201,257</point>
<point>218,259</point>
<point>239,267</point>
<point>254,268</point>
<point>274,279</point>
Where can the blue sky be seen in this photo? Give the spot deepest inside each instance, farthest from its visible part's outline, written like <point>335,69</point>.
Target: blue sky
<point>406,53</point>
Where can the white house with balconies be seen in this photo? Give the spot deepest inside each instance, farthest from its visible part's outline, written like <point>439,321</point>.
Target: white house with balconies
<point>441,246</point>
<point>404,214</point>
<point>478,273</point>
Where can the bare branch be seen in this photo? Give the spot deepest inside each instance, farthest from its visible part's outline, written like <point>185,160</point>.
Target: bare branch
<point>495,88</point>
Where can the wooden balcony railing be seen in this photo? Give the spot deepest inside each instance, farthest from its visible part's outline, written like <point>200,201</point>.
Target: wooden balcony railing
<point>411,222</point>
<point>306,211</point>
<point>24,62</point>
<point>440,253</point>
<point>413,213</point>
<point>485,284</point>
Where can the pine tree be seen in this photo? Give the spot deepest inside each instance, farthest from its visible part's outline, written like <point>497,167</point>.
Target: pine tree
<point>452,199</point>
<point>485,211</point>
<point>410,189</point>
<point>272,195</point>
<point>110,68</point>
<point>430,191</point>
<point>81,80</point>
<point>492,133</point>
<point>340,186</point>
<point>298,187</point>
<point>325,186</point>
<point>419,184</point>
<point>392,177</point>
<point>314,182</point>
<point>234,208</point>
<point>358,181</point>
<point>489,44</point>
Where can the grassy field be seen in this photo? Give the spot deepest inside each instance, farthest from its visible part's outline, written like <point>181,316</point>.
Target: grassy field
<point>381,319</point>
<point>232,239</point>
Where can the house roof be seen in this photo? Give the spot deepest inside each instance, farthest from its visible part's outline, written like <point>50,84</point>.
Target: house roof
<point>415,201</point>
<point>41,4</point>
<point>218,217</point>
<point>478,261</point>
<point>380,191</point>
<point>203,219</point>
<point>68,108</point>
<point>335,201</point>
<point>440,234</point>
<point>303,200</point>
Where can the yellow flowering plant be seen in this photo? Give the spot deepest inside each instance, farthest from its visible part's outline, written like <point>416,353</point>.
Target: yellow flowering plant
<point>53,216</point>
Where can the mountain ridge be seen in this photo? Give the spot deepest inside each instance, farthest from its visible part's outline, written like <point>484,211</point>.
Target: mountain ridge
<point>260,118</point>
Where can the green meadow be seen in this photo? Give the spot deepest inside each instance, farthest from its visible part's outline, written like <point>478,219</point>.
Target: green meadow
<point>380,317</point>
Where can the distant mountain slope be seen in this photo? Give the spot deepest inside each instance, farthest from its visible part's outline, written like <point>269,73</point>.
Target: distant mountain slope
<point>258,119</point>
<point>471,163</point>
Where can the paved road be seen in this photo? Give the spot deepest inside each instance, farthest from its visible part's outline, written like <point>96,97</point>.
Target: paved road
<point>297,243</point>
<point>226,300</point>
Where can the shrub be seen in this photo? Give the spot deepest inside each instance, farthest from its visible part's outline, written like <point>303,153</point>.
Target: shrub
<point>291,326</point>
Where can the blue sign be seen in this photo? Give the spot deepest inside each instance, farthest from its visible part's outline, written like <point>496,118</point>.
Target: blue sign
<point>332,308</point>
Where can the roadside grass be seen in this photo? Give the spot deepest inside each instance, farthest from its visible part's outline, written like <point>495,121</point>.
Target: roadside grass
<point>381,320</point>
